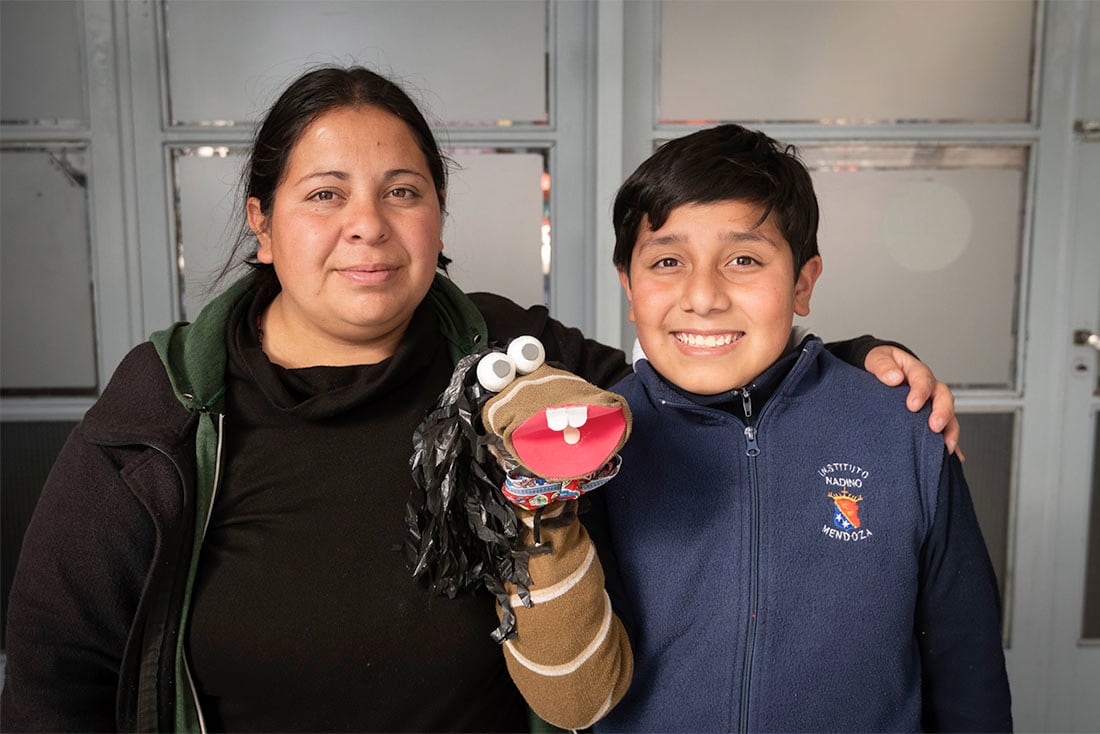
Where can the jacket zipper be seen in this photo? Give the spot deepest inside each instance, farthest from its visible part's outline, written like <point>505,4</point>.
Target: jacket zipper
<point>205,526</point>
<point>752,450</point>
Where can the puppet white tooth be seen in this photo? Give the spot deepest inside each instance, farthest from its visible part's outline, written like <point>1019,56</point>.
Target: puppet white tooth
<point>578,415</point>
<point>557,419</point>
<point>571,435</point>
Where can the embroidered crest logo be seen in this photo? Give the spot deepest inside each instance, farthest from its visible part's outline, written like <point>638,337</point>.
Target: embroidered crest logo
<point>842,480</point>
<point>845,509</point>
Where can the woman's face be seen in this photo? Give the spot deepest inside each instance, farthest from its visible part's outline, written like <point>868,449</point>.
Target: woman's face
<point>353,235</point>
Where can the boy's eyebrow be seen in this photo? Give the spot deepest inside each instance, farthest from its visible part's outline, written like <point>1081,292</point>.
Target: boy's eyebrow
<point>731,236</point>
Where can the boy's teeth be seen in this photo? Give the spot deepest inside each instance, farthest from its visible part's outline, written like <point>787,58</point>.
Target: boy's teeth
<point>699,340</point>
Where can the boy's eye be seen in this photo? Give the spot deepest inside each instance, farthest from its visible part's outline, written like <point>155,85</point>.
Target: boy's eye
<point>743,260</point>
<point>666,262</point>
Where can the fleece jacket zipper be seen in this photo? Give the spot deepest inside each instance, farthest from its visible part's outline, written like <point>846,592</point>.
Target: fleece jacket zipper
<point>752,450</point>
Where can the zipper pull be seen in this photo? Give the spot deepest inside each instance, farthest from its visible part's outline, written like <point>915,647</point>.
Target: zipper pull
<point>750,436</point>
<point>746,402</point>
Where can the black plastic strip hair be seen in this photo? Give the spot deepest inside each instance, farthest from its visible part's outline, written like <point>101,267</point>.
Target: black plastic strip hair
<point>462,531</point>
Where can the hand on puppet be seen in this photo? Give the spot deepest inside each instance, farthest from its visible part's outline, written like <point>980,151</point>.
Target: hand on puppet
<point>509,429</point>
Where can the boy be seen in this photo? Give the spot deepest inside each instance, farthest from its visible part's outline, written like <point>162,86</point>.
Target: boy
<point>796,551</point>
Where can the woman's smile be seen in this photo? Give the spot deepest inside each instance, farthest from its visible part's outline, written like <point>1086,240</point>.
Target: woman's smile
<point>369,275</point>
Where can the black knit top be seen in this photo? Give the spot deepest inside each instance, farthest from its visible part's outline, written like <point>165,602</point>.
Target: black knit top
<point>305,616</point>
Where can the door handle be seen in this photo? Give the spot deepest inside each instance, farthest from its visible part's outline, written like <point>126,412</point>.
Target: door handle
<point>1086,337</point>
<point>1087,130</point>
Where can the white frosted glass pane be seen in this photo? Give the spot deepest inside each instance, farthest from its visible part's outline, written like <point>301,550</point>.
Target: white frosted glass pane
<point>1091,622</point>
<point>493,230</point>
<point>1090,75</point>
<point>40,70</point>
<point>927,255</point>
<point>45,273</point>
<point>474,60</point>
<point>207,218</point>
<point>845,60</point>
<point>989,470</point>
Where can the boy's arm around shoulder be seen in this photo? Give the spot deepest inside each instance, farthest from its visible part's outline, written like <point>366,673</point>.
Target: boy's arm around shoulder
<point>896,364</point>
<point>598,363</point>
<point>570,657</point>
<point>958,620</point>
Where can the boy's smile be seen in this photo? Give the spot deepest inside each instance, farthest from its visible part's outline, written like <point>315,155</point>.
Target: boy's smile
<point>713,294</point>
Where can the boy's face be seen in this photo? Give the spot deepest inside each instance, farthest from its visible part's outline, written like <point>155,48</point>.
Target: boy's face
<point>713,295</point>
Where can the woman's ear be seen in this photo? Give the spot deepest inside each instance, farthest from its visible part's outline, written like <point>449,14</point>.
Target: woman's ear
<point>804,286</point>
<point>257,222</point>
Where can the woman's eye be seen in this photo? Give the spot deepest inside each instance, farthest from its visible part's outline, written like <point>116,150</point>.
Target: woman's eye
<point>323,196</point>
<point>402,192</point>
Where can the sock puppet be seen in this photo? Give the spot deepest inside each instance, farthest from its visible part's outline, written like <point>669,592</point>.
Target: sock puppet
<point>498,464</point>
<point>509,429</point>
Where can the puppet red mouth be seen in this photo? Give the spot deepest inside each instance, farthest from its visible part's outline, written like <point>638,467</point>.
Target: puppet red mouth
<point>569,441</point>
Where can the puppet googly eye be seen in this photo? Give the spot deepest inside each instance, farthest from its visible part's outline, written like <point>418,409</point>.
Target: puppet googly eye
<point>528,354</point>
<point>496,371</point>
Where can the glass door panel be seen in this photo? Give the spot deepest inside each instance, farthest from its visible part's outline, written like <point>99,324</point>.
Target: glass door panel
<point>46,259</point>
<point>208,219</point>
<point>41,67</point>
<point>846,61</point>
<point>485,59</point>
<point>1090,624</point>
<point>934,230</point>
<point>497,230</point>
<point>989,445</point>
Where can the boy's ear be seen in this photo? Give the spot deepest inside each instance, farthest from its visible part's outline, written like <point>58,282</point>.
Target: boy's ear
<point>804,286</point>
<point>624,280</point>
<point>257,222</point>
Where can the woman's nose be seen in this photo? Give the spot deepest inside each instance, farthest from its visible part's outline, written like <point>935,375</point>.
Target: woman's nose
<point>704,291</point>
<point>366,222</point>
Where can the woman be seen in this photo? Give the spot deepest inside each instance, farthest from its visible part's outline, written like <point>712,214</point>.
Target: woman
<point>222,533</point>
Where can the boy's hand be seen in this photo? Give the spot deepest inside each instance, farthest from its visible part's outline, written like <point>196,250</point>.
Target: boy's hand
<point>894,366</point>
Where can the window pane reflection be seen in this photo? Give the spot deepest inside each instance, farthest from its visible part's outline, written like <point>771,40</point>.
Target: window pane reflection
<point>1090,74</point>
<point>497,229</point>
<point>473,61</point>
<point>41,73</point>
<point>1091,624</point>
<point>208,219</point>
<point>846,60</point>
<point>47,319</point>
<point>989,442</point>
<point>934,233</point>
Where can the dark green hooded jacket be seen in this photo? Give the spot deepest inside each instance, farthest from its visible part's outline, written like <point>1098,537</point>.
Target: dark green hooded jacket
<point>109,559</point>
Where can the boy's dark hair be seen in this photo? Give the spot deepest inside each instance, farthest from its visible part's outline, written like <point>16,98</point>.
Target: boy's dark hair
<point>724,163</point>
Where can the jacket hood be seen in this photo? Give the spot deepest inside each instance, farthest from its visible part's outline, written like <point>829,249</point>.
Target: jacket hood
<point>461,324</point>
<point>194,354</point>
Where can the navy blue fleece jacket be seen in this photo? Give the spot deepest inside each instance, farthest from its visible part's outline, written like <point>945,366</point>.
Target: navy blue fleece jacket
<point>801,555</point>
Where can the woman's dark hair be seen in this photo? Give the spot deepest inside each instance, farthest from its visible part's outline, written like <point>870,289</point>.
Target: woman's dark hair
<point>306,98</point>
<point>723,163</point>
